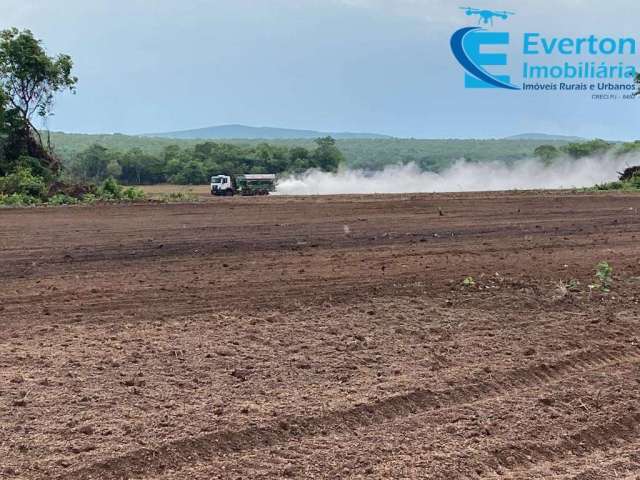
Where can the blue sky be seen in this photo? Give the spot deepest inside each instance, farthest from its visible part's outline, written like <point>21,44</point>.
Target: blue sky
<point>337,65</point>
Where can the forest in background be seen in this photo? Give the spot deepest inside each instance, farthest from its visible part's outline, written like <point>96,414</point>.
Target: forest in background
<point>141,160</point>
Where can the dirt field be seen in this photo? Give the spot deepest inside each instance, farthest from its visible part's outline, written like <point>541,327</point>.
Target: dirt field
<point>321,337</point>
<point>157,191</point>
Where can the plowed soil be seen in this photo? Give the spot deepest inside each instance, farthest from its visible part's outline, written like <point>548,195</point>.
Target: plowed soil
<point>322,337</point>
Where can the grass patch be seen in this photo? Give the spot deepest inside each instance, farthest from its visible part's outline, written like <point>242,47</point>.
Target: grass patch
<point>178,197</point>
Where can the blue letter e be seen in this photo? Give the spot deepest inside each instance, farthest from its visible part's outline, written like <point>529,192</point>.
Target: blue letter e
<point>472,43</point>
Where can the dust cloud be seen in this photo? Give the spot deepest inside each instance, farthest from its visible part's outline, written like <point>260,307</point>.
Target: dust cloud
<point>461,176</point>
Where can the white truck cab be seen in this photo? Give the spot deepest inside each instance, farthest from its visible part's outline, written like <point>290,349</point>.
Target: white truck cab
<point>222,185</point>
<point>246,184</point>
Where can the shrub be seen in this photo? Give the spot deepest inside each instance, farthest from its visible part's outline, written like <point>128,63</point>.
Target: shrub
<point>18,199</point>
<point>133,193</point>
<point>610,186</point>
<point>110,190</point>
<point>631,184</point>
<point>89,198</point>
<point>62,199</point>
<point>573,285</point>
<point>22,187</point>
<point>36,166</point>
<point>468,282</point>
<point>179,197</point>
<point>23,182</point>
<point>604,272</point>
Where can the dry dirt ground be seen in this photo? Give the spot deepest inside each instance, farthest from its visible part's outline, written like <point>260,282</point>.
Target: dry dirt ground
<point>157,191</point>
<point>322,337</point>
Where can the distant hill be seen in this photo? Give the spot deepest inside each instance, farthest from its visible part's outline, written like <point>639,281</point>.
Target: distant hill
<point>250,133</point>
<point>545,137</point>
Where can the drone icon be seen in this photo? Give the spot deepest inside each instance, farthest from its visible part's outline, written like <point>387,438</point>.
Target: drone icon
<point>486,16</point>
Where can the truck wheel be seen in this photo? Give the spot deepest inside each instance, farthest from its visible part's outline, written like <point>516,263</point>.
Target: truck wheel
<point>229,193</point>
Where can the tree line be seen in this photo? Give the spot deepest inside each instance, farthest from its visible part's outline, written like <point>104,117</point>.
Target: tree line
<point>590,148</point>
<point>189,163</point>
<point>193,165</point>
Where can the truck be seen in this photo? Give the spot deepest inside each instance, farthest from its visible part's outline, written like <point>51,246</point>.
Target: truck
<point>247,184</point>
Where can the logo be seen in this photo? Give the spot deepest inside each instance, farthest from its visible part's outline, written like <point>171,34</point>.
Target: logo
<point>486,16</point>
<point>466,45</point>
<point>602,65</point>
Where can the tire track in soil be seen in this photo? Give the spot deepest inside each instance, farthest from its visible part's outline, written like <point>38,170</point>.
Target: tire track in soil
<point>188,450</point>
<point>501,461</point>
<point>199,300</point>
<point>633,476</point>
<point>619,461</point>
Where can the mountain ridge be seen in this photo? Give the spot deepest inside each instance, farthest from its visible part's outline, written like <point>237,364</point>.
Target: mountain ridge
<point>238,131</point>
<point>544,136</point>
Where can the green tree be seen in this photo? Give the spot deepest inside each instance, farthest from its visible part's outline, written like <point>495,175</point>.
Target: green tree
<point>586,149</point>
<point>298,153</point>
<point>546,153</point>
<point>113,168</point>
<point>298,159</point>
<point>170,152</point>
<point>29,80</point>
<point>628,147</point>
<point>92,164</point>
<point>271,159</point>
<point>139,167</point>
<point>327,156</point>
<point>191,173</point>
